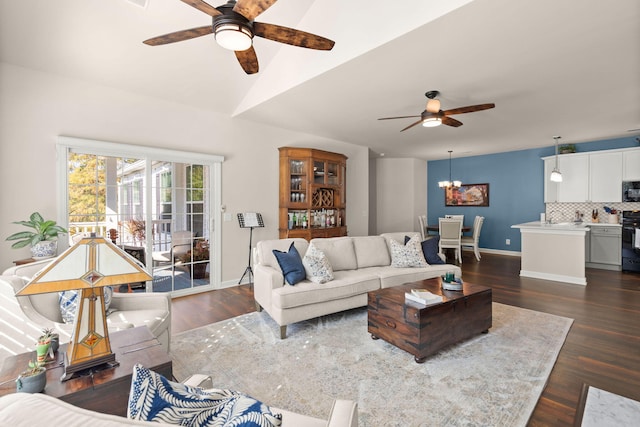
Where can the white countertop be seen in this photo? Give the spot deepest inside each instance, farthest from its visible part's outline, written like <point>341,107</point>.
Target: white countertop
<point>562,226</point>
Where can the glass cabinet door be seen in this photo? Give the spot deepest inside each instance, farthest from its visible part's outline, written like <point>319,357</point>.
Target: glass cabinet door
<point>332,173</point>
<point>297,181</point>
<point>318,172</point>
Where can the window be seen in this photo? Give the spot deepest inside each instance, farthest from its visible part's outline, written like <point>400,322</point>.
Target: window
<point>157,205</point>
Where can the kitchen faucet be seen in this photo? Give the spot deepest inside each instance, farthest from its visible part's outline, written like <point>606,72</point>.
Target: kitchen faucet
<point>550,217</point>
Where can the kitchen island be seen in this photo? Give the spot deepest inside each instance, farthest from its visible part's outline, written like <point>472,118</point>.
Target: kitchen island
<point>553,251</point>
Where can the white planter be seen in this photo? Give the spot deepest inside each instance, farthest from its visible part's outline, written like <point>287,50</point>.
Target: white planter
<point>44,249</point>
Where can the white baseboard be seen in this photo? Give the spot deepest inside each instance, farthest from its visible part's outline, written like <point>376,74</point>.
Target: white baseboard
<point>554,277</point>
<point>496,251</point>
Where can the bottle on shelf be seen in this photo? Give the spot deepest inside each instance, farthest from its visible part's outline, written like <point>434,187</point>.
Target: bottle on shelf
<point>304,220</point>
<point>295,220</point>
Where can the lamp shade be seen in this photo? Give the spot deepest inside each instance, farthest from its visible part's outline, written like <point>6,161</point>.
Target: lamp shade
<point>432,122</point>
<point>233,37</point>
<point>556,176</point>
<point>92,262</point>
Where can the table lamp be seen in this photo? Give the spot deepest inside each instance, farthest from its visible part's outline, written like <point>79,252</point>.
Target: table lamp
<point>89,265</point>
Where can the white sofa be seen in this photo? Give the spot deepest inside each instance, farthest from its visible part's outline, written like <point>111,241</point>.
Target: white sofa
<point>360,265</point>
<point>28,410</point>
<point>35,312</point>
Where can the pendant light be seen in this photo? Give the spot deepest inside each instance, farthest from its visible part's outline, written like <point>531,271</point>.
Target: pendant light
<point>450,183</point>
<point>556,176</point>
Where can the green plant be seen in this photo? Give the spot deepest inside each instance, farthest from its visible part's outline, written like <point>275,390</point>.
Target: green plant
<point>567,148</point>
<point>35,368</point>
<point>44,230</point>
<point>199,252</point>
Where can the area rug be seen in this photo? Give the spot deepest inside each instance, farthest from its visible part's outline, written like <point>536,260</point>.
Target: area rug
<point>493,379</point>
<point>605,409</point>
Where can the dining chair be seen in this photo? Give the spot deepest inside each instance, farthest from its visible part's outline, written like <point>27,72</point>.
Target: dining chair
<point>422,220</point>
<point>460,217</point>
<point>450,236</point>
<point>474,240</point>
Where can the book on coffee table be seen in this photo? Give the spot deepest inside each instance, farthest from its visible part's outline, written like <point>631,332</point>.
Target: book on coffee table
<point>422,296</point>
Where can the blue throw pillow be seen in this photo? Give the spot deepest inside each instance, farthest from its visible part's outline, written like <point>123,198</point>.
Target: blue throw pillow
<point>154,398</point>
<point>291,265</point>
<point>430,250</point>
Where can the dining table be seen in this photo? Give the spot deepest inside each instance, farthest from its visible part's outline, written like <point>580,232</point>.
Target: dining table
<point>436,228</point>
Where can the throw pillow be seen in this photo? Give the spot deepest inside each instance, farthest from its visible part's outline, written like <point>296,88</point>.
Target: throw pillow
<point>291,265</point>
<point>154,398</point>
<point>409,255</point>
<point>317,265</point>
<point>68,302</point>
<point>429,250</point>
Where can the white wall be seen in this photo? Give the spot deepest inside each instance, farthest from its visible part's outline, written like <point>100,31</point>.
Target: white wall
<point>35,108</point>
<point>401,194</point>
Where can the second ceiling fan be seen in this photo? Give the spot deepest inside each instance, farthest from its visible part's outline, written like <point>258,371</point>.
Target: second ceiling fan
<point>434,116</point>
<point>234,28</point>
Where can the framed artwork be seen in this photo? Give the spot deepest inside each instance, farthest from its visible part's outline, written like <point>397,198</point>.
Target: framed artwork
<point>467,195</point>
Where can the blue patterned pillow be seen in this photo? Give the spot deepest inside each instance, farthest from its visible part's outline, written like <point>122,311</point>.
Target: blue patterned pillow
<point>291,265</point>
<point>68,302</point>
<point>154,398</point>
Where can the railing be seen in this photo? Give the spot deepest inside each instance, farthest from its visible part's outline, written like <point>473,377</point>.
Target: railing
<point>126,234</point>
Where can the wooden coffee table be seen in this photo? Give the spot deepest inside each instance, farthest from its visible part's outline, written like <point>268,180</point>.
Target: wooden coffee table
<point>424,330</point>
<point>106,390</point>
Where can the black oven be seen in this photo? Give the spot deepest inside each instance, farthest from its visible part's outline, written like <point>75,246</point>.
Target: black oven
<point>631,241</point>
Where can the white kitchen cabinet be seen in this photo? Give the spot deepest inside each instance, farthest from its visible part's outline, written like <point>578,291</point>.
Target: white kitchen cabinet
<point>550,187</point>
<point>631,165</point>
<point>575,178</point>
<point>605,177</point>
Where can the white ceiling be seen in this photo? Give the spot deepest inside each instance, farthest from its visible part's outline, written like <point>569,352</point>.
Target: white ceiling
<point>569,68</point>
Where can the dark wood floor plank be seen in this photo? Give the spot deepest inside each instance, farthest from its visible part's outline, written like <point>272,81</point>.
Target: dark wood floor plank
<point>602,348</point>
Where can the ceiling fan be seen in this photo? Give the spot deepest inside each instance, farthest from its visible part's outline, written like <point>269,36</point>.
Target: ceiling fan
<point>434,116</point>
<point>234,28</point>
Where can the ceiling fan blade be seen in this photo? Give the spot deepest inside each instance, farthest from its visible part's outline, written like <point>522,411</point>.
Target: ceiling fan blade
<point>179,36</point>
<point>252,8</point>
<point>248,60</point>
<point>413,124</point>
<point>450,121</point>
<point>433,106</point>
<point>203,7</point>
<point>469,109</point>
<point>400,117</point>
<point>291,36</point>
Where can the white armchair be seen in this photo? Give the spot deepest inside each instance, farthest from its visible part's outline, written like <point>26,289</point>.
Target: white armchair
<point>36,312</point>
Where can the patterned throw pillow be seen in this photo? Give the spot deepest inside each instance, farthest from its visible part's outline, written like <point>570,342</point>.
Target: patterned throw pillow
<point>154,398</point>
<point>291,265</point>
<point>409,255</point>
<point>317,265</point>
<point>429,250</point>
<point>68,302</point>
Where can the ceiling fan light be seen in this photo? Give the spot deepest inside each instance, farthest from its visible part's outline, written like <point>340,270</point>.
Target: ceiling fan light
<point>556,176</point>
<point>233,37</point>
<point>457,184</point>
<point>444,184</point>
<point>432,122</point>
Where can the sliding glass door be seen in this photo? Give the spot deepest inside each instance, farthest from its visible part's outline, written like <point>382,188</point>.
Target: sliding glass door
<point>159,211</point>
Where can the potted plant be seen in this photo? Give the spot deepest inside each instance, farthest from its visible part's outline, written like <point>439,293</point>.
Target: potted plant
<point>51,337</point>
<point>43,239</point>
<point>33,379</point>
<point>193,258</point>
<point>567,148</point>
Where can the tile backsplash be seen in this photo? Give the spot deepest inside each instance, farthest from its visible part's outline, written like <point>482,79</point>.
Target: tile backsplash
<point>562,212</point>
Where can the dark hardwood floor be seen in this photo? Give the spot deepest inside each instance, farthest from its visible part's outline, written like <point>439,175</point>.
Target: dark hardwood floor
<point>602,348</point>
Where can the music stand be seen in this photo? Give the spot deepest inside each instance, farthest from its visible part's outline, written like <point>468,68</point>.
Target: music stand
<point>249,220</point>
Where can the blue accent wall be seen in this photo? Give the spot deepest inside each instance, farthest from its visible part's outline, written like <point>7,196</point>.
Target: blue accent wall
<point>516,189</point>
